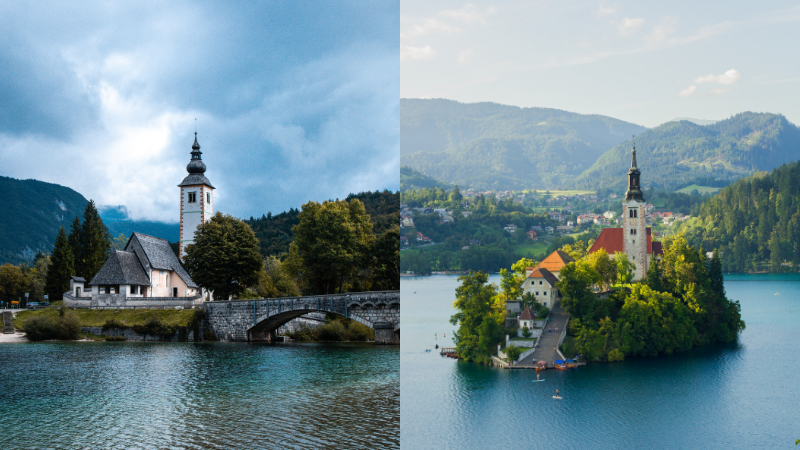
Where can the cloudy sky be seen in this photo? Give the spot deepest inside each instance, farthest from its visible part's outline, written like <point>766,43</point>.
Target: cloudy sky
<point>294,101</point>
<point>643,62</point>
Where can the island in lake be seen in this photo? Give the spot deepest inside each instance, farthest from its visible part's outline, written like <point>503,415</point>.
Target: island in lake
<point>620,295</point>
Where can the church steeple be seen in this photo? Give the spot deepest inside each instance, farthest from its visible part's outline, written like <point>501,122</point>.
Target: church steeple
<point>634,191</point>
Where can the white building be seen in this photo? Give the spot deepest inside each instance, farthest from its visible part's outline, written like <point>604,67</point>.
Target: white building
<point>197,199</point>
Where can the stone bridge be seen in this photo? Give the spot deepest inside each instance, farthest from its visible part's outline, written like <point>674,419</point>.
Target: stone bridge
<point>259,320</point>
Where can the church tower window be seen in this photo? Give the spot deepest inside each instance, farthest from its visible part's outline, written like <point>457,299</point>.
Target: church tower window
<point>192,197</point>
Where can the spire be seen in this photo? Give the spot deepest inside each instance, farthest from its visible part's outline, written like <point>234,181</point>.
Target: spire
<point>634,191</point>
<point>196,165</point>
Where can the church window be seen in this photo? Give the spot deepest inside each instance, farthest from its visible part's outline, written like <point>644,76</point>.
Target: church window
<point>632,213</point>
<point>208,197</point>
<point>192,197</point>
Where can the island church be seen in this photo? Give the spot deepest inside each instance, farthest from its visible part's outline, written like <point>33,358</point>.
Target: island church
<point>147,273</point>
<point>634,238</point>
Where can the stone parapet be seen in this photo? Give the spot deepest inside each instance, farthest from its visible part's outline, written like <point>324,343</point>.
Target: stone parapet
<point>259,320</point>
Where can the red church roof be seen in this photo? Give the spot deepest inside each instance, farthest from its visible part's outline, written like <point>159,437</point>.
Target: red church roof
<point>526,314</point>
<point>610,240</point>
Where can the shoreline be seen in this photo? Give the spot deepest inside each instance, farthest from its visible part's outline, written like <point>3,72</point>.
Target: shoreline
<point>13,338</point>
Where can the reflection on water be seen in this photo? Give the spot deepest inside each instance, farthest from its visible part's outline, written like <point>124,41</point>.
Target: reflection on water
<point>137,395</point>
<point>741,394</point>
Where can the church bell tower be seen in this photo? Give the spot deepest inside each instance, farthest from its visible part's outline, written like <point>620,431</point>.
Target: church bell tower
<point>633,218</point>
<point>197,198</point>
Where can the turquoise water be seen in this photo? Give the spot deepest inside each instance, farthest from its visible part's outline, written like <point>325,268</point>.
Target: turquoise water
<point>198,396</point>
<point>743,394</point>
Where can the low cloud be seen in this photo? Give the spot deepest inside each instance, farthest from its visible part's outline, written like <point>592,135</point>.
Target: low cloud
<point>718,91</point>
<point>730,77</point>
<point>629,26</point>
<point>468,14</point>
<point>428,26</point>
<point>411,53</point>
<point>688,92</point>
<point>603,11</point>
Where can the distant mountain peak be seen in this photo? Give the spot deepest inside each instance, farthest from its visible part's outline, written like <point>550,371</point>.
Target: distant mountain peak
<point>694,121</point>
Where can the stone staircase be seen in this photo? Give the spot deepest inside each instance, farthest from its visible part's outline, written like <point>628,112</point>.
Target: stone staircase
<point>8,328</point>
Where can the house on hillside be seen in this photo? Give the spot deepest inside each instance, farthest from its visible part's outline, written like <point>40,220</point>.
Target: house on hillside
<point>553,263</point>
<point>532,235</point>
<point>541,283</point>
<point>511,228</point>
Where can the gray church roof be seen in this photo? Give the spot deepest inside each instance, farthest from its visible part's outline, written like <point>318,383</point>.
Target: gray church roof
<point>161,256</point>
<point>121,268</point>
<point>194,179</point>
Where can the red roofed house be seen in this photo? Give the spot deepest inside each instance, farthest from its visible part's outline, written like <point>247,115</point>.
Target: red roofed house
<point>634,238</point>
<point>553,263</point>
<point>541,283</point>
<point>525,319</point>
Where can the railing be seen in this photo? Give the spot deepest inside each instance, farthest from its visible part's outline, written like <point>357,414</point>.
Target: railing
<point>334,296</point>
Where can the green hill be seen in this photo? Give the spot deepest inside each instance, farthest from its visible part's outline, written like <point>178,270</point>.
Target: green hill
<point>755,223</point>
<point>677,154</point>
<point>31,212</point>
<point>411,179</point>
<point>493,146</point>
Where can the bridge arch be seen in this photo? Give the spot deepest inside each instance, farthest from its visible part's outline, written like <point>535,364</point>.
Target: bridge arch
<point>259,320</point>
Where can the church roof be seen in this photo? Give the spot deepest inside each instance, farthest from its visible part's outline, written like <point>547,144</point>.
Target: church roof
<point>555,261</point>
<point>611,240</point>
<point>526,314</point>
<point>160,256</point>
<point>541,272</point>
<point>196,179</point>
<point>121,268</point>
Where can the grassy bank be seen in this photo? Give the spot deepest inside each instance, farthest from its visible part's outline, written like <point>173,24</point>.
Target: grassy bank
<point>126,317</point>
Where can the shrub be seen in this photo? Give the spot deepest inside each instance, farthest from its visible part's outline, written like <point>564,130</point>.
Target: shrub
<point>64,327</point>
<point>210,336</point>
<point>154,327</point>
<point>359,332</point>
<point>115,338</point>
<point>331,331</point>
<point>303,333</point>
<point>526,332</point>
<point>113,323</point>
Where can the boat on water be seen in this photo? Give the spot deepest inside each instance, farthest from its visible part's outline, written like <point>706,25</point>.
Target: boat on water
<point>559,364</point>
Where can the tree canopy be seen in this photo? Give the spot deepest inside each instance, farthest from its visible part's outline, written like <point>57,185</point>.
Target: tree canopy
<point>224,257</point>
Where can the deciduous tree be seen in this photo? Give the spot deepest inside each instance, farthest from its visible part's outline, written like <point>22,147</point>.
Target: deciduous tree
<point>224,257</point>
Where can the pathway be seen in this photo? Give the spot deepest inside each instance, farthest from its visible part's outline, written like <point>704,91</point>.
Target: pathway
<point>549,341</point>
<point>8,328</point>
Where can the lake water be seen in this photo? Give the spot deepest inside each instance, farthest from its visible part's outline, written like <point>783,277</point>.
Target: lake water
<point>741,395</point>
<point>198,396</point>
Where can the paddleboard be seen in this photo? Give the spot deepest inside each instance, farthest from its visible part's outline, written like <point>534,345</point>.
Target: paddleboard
<point>557,397</point>
<point>537,380</point>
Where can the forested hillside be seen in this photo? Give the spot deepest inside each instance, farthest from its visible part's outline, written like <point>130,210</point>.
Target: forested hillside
<point>274,232</point>
<point>755,223</point>
<point>412,179</point>
<point>118,222</point>
<point>31,212</point>
<point>677,154</point>
<point>493,146</point>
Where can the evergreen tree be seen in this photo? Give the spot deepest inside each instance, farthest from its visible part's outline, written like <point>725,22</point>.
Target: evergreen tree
<point>61,267</point>
<point>73,240</point>
<point>653,277</point>
<point>94,243</point>
<point>715,275</point>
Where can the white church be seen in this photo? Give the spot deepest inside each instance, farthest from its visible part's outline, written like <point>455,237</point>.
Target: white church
<point>147,273</point>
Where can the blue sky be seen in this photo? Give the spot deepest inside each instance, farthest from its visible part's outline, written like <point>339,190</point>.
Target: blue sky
<point>643,62</point>
<point>294,101</point>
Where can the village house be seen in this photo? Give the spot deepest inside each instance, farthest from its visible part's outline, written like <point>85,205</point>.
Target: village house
<point>511,228</point>
<point>541,283</point>
<point>532,235</point>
